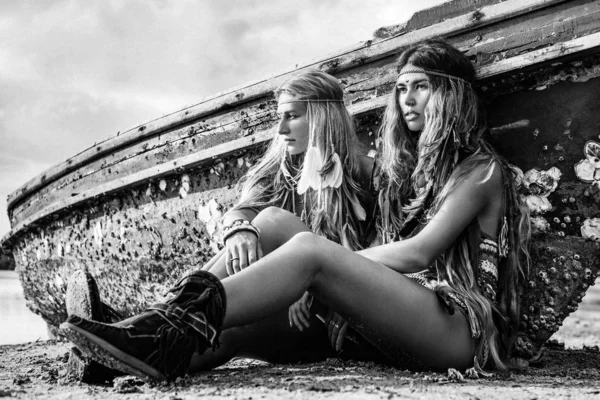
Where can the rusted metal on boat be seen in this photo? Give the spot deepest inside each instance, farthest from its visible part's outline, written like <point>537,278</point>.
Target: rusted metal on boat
<point>139,209</point>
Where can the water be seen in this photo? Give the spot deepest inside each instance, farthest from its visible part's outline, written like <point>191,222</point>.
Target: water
<point>17,323</point>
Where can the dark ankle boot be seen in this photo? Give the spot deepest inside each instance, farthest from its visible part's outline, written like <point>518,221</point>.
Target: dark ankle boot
<point>158,343</point>
<point>83,300</point>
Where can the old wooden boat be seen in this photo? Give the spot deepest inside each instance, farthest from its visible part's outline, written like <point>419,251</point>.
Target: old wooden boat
<point>140,208</point>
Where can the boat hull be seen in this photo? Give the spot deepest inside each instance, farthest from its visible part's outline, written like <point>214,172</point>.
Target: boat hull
<point>140,209</point>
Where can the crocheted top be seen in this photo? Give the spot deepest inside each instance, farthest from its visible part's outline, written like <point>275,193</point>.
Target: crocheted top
<point>487,270</point>
<point>487,274</point>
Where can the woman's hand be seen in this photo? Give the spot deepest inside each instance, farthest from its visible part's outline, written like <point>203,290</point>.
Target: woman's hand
<point>299,312</point>
<point>242,249</point>
<point>336,330</point>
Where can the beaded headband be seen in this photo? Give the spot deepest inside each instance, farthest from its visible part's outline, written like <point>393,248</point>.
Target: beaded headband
<point>431,72</point>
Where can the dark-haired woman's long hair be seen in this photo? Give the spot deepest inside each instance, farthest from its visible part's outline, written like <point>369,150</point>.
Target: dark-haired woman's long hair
<point>420,176</point>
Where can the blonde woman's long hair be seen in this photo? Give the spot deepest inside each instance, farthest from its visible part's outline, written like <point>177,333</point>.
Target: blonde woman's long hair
<point>420,175</point>
<point>330,212</point>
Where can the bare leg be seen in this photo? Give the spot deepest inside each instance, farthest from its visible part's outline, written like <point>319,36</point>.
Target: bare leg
<point>398,315</point>
<point>277,226</point>
<point>271,339</point>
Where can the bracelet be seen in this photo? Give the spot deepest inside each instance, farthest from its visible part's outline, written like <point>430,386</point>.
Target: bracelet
<point>239,225</point>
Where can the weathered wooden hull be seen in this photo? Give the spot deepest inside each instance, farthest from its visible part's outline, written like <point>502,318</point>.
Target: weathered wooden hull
<point>141,208</point>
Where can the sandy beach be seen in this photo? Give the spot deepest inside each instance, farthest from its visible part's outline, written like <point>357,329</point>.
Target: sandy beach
<point>569,369</point>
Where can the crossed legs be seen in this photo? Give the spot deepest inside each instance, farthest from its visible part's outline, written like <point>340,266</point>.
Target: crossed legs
<point>272,338</point>
<point>400,317</point>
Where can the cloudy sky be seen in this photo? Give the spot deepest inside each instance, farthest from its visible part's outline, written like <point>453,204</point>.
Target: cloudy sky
<point>76,72</point>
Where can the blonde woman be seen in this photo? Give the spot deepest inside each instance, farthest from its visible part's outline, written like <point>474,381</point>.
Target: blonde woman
<point>313,118</point>
<point>444,296</point>
<point>315,169</point>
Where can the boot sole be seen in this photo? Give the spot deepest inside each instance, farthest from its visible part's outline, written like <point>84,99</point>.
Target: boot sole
<point>81,298</point>
<point>107,354</point>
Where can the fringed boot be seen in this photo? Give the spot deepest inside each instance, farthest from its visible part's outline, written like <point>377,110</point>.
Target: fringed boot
<point>158,343</point>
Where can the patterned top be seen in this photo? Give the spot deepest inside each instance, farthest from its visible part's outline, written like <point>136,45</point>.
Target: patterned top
<point>487,274</point>
<point>487,271</point>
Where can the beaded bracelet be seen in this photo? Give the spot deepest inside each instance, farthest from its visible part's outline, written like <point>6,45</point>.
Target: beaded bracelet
<point>239,225</point>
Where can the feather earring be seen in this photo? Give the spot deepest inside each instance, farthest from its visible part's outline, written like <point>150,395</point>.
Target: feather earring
<point>310,176</point>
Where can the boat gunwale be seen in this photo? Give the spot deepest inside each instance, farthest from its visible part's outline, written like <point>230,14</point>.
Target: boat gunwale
<point>378,49</point>
<point>554,53</point>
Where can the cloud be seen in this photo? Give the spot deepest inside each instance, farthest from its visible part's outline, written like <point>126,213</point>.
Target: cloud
<point>74,73</point>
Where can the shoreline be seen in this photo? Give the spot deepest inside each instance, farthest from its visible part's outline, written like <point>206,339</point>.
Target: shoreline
<point>18,323</point>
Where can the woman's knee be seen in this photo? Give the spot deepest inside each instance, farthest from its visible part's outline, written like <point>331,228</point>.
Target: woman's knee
<point>310,245</point>
<point>277,226</point>
<point>307,240</point>
<point>273,215</point>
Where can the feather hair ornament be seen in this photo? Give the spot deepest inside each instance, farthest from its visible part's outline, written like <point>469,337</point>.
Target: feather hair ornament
<point>311,176</point>
<point>333,178</point>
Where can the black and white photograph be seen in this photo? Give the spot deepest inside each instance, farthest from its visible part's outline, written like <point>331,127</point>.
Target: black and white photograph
<point>327,199</point>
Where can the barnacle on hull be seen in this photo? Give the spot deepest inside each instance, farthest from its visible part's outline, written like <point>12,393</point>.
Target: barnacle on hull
<point>538,185</point>
<point>590,229</point>
<point>561,271</point>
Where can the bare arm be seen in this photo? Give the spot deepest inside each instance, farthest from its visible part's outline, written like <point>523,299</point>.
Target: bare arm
<point>475,197</point>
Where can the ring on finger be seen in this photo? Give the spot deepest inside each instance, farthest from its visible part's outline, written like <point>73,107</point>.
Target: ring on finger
<point>234,258</point>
